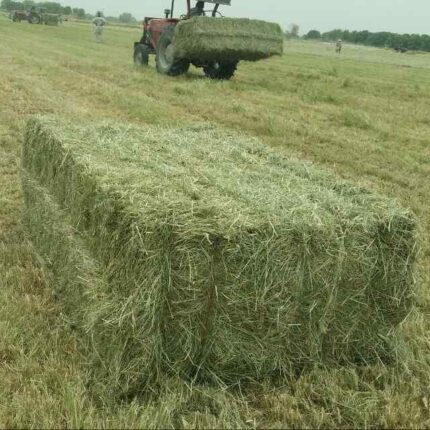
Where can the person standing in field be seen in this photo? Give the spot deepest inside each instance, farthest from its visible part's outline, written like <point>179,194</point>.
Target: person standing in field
<point>98,27</point>
<point>339,46</point>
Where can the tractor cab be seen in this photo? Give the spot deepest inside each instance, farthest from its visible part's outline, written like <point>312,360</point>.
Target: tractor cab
<point>199,9</point>
<point>153,27</point>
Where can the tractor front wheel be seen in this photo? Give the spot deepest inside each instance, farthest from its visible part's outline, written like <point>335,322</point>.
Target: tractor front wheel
<point>165,60</point>
<point>141,55</point>
<point>222,70</point>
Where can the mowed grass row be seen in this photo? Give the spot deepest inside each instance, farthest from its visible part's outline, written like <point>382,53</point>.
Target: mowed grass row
<point>367,120</point>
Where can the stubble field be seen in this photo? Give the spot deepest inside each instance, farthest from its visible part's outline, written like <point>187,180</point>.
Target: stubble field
<point>364,115</point>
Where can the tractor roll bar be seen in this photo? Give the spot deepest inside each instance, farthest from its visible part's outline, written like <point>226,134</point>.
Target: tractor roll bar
<point>216,2</point>
<point>223,2</point>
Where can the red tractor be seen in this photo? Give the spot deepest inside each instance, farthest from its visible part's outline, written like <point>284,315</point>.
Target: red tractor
<point>18,15</point>
<point>158,37</point>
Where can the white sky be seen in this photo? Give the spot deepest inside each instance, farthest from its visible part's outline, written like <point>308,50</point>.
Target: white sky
<point>401,16</point>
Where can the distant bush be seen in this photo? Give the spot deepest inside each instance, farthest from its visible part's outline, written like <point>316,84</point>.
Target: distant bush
<point>79,12</point>
<point>126,18</point>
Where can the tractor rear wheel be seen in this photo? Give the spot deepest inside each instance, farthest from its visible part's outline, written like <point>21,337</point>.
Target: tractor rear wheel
<point>222,70</point>
<point>165,60</point>
<point>141,55</point>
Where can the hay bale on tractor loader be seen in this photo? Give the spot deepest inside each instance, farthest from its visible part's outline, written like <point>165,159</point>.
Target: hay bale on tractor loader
<point>50,19</point>
<point>207,39</point>
<point>203,39</point>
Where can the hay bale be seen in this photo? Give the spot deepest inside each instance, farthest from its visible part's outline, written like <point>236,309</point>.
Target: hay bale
<point>50,19</point>
<point>232,39</point>
<point>74,270</point>
<point>81,285</point>
<point>222,257</point>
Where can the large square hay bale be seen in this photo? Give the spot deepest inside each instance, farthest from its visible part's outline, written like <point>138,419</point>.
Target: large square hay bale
<point>50,19</point>
<point>222,257</point>
<point>230,39</point>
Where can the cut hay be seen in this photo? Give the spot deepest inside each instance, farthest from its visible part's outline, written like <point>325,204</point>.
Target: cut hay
<point>74,271</point>
<point>228,39</point>
<point>82,288</point>
<point>223,259</point>
<point>50,19</point>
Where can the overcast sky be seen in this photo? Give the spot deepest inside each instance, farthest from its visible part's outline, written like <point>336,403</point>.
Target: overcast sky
<point>402,16</point>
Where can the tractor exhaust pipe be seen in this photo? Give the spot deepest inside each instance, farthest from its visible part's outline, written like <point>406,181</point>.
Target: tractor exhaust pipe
<point>171,9</point>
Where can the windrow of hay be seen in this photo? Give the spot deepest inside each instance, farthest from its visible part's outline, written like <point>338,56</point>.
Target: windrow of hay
<point>221,258</point>
<point>228,39</point>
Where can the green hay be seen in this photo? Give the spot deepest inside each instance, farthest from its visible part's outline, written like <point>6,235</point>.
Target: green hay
<point>222,258</point>
<point>81,285</point>
<point>50,19</point>
<point>75,272</point>
<point>231,39</point>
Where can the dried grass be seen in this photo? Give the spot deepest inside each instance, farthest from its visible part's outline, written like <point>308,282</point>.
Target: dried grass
<point>50,19</point>
<point>222,260</point>
<point>232,39</point>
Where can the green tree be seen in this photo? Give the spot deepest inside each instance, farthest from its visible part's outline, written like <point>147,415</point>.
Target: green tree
<point>79,12</point>
<point>127,17</point>
<point>333,35</point>
<point>294,30</point>
<point>313,34</point>
<point>51,7</point>
<point>5,4</point>
<point>28,4</point>
<point>11,5</point>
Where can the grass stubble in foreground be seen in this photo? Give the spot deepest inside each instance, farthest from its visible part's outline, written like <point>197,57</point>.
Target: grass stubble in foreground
<point>367,120</point>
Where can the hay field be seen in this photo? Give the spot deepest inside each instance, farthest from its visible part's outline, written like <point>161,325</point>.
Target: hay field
<point>364,115</point>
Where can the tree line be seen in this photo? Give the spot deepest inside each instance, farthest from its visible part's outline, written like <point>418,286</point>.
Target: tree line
<point>54,7</point>
<point>51,7</point>
<point>413,42</point>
